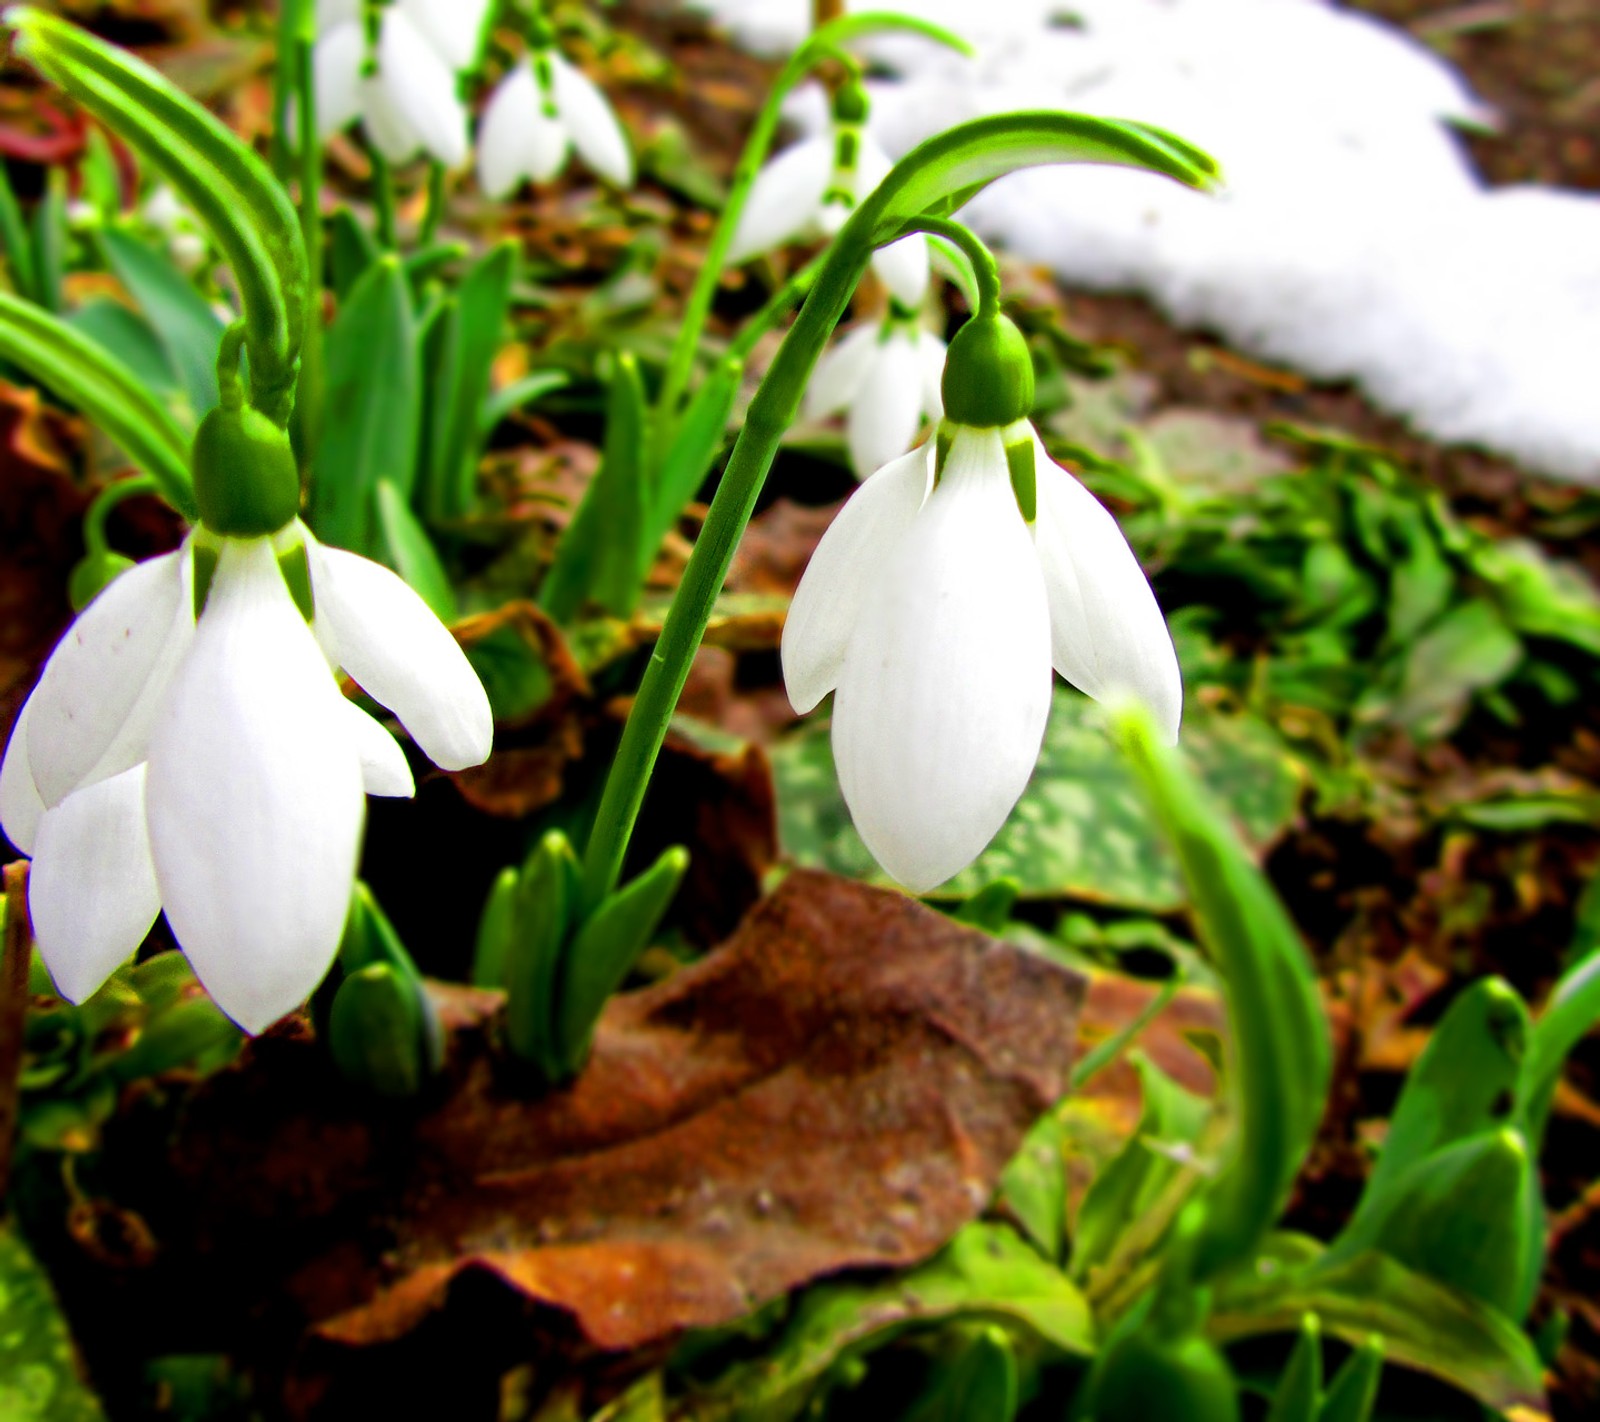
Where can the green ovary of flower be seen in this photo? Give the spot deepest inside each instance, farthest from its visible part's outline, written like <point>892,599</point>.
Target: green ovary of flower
<point>988,374</point>
<point>245,479</point>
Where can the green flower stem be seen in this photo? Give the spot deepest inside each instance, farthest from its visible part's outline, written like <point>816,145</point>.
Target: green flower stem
<point>436,198</point>
<point>771,413</point>
<point>984,267</point>
<point>309,388</point>
<point>777,306</point>
<point>94,522</point>
<point>823,45</point>
<point>383,200</point>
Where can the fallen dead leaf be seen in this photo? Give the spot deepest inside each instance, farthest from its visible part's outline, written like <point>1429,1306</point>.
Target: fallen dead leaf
<point>837,1087</point>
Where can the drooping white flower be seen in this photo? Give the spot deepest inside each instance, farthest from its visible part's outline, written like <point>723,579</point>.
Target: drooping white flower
<point>884,377</point>
<point>403,87</point>
<point>210,766</point>
<point>810,190</point>
<point>544,108</point>
<point>935,611</point>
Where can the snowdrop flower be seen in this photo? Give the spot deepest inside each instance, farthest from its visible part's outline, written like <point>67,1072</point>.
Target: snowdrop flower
<point>884,377</point>
<point>544,108</point>
<point>402,84</point>
<point>809,190</point>
<point>188,748</point>
<point>936,605</point>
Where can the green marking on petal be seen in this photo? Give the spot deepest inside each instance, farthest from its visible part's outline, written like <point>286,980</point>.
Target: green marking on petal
<point>296,570</point>
<point>1024,478</point>
<point>941,448</point>
<point>206,557</point>
<point>544,74</point>
<point>846,150</point>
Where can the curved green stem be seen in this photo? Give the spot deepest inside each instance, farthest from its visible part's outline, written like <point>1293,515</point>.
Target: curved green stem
<point>984,267</point>
<point>824,45</point>
<point>94,521</point>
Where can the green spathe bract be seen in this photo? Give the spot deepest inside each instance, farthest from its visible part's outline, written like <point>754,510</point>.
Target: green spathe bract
<point>988,374</point>
<point>245,479</point>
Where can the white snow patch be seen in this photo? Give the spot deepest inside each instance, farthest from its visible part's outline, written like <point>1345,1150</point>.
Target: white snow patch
<point>1354,239</point>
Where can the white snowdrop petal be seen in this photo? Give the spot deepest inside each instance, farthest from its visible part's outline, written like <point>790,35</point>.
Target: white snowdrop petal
<point>592,123</point>
<point>887,414</point>
<point>385,125</point>
<point>1108,637</point>
<point>784,199</point>
<point>402,656</point>
<point>453,28</point>
<point>421,90</point>
<point>336,12</point>
<point>383,764</point>
<point>828,602</point>
<point>838,375</point>
<point>92,890</point>
<point>512,111</point>
<point>97,673</point>
<point>254,799</point>
<point>336,76</point>
<point>20,806</point>
<point>903,267</point>
<point>942,702</point>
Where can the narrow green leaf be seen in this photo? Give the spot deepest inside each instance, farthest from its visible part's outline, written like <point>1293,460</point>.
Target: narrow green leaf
<point>695,445</point>
<point>370,430</point>
<point>1354,1391</point>
<point>351,250</point>
<point>1300,1388</point>
<point>606,948</point>
<point>459,383</point>
<point>977,1384</point>
<point>410,552</point>
<point>1462,1084</point>
<point>15,242</point>
<point>533,960</point>
<point>985,1274</point>
<point>492,948</point>
<point>1425,1325</point>
<point>1468,1215</point>
<point>231,191</point>
<point>600,555</point>
<point>501,403</point>
<point>1136,1178</point>
<point>1282,1060</point>
<point>375,1031</point>
<point>39,1379</point>
<point>50,241</point>
<point>1572,1010</point>
<point>86,377</point>
<point>127,337</point>
<point>183,321</point>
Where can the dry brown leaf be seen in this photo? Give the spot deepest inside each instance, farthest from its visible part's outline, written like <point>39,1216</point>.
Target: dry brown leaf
<point>837,1087</point>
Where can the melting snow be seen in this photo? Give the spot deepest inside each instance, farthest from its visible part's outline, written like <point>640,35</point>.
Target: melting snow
<point>1354,240</point>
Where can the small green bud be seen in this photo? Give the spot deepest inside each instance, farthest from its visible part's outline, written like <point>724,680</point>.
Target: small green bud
<point>377,1031</point>
<point>245,479</point>
<point>988,374</point>
<point>1142,1376</point>
<point>850,103</point>
<point>94,572</point>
